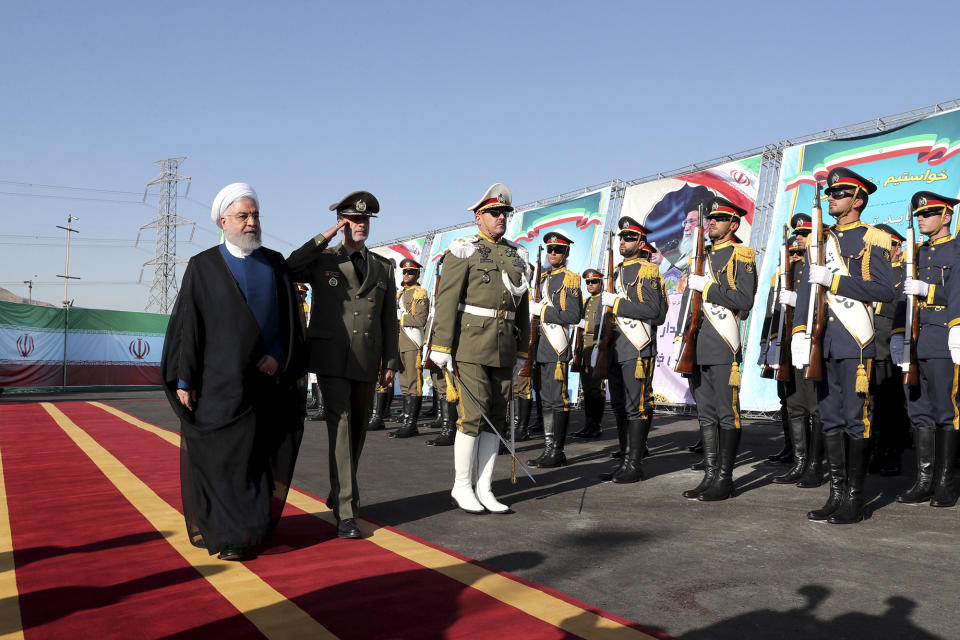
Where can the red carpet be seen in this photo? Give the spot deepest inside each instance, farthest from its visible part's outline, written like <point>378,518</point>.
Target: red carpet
<point>88,562</point>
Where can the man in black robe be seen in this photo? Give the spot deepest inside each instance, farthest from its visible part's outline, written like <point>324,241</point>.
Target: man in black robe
<point>233,370</point>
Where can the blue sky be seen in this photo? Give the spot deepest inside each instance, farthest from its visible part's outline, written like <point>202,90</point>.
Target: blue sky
<point>424,104</point>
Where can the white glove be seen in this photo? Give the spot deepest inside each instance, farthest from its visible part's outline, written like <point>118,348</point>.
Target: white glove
<point>697,283</point>
<point>800,350</point>
<point>820,275</point>
<point>608,299</point>
<point>517,367</point>
<point>788,298</point>
<point>582,324</point>
<point>535,308</point>
<point>399,314</point>
<point>953,342</point>
<point>442,360</point>
<point>913,287</point>
<point>896,348</point>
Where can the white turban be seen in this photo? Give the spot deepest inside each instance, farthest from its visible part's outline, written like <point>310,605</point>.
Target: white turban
<point>230,194</point>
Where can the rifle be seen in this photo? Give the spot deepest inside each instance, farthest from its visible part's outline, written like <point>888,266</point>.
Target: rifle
<point>527,369</point>
<point>689,329</point>
<point>766,332</point>
<point>786,317</point>
<point>577,351</point>
<point>427,362</point>
<point>605,339</point>
<point>817,309</point>
<point>912,326</point>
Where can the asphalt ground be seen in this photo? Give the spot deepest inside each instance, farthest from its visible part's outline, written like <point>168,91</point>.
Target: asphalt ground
<point>749,567</point>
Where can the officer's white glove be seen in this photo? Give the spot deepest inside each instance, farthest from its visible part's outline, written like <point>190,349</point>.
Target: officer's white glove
<point>896,348</point>
<point>518,366</point>
<point>535,308</point>
<point>442,360</point>
<point>608,299</point>
<point>582,324</point>
<point>820,275</point>
<point>788,298</point>
<point>399,314</point>
<point>697,283</point>
<point>953,342</point>
<point>913,287</point>
<point>800,350</point>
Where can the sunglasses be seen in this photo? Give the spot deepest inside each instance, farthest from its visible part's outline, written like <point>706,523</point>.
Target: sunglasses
<point>629,237</point>
<point>721,218</point>
<point>496,213</point>
<point>594,281</point>
<point>927,213</point>
<point>556,248</point>
<point>839,195</point>
<point>796,252</point>
<point>411,272</point>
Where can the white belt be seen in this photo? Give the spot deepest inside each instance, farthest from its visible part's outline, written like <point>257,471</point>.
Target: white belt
<point>484,312</point>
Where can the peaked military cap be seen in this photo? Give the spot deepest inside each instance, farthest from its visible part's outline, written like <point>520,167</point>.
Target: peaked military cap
<point>626,224</point>
<point>409,263</point>
<point>793,243</point>
<point>896,235</point>
<point>842,178</point>
<point>648,248</point>
<point>498,196</point>
<point>801,223</point>
<point>592,274</point>
<point>922,200</point>
<point>555,237</point>
<point>358,203</point>
<point>718,206</point>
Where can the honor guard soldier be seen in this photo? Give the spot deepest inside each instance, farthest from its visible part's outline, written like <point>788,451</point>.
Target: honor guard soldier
<point>413,305</point>
<point>891,424</point>
<point>728,287</point>
<point>639,306</point>
<point>482,328</point>
<point>523,388</point>
<point>594,398</point>
<point>857,272</point>
<point>353,338</point>
<point>932,404</point>
<point>559,311</point>
<point>799,393</point>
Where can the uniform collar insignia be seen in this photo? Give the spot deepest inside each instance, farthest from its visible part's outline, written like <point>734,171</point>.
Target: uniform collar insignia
<point>847,227</point>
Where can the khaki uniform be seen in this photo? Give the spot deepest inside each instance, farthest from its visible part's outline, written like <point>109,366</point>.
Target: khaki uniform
<point>414,305</point>
<point>592,315</point>
<point>353,335</point>
<point>481,323</point>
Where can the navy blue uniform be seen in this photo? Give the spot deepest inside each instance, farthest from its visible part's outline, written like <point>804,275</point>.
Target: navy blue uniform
<point>562,289</point>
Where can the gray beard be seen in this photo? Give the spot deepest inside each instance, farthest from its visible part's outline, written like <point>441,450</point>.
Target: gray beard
<point>246,241</point>
<point>685,248</point>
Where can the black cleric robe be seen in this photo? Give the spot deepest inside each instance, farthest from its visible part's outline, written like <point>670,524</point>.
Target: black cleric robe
<point>239,445</point>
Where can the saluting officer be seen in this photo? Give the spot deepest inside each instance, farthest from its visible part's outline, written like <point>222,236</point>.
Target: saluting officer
<point>353,338</point>
<point>857,273</point>
<point>413,306</point>
<point>891,423</point>
<point>729,286</point>
<point>594,399</point>
<point>559,310</point>
<point>639,306</point>
<point>482,327</point>
<point>932,405</point>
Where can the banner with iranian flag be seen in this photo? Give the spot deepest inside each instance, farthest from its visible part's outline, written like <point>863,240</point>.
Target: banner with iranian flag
<point>397,252</point>
<point>921,156</point>
<point>668,209</point>
<point>103,348</point>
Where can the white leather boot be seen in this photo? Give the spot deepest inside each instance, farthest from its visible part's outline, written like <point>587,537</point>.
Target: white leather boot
<point>464,454</point>
<point>487,457</point>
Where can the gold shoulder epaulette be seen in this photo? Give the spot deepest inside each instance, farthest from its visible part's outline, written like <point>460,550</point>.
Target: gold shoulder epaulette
<point>571,280</point>
<point>648,270</point>
<point>419,293</point>
<point>877,238</point>
<point>744,254</point>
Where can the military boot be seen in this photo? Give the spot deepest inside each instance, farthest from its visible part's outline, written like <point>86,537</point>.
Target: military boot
<point>799,426</point>
<point>850,510</point>
<point>538,426</point>
<point>947,491</point>
<point>696,447</point>
<point>464,460</point>
<point>411,413</point>
<point>925,442</point>
<point>786,453</point>
<point>380,404</point>
<point>388,415</point>
<point>630,470</point>
<point>711,451</point>
<point>522,418</point>
<point>448,429</point>
<point>834,443</point>
<point>621,435</point>
<point>722,487</point>
<point>813,475</point>
<point>554,454</point>
<point>549,442</point>
<point>432,411</point>
<point>486,460</point>
<point>591,420</point>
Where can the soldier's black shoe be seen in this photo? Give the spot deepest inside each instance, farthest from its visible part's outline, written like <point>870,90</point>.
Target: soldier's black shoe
<point>850,510</point>
<point>348,529</point>
<point>711,451</point>
<point>925,441</point>
<point>798,434</point>
<point>787,450</point>
<point>233,553</point>
<point>522,419</point>
<point>432,412</point>
<point>380,404</point>
<point>588,431</point>
<point>411,412</point>
<point>947,491</point>
<point>448,427</point>
<point>553,454</point>
<point>834,443</point>
<point>722,487</point>
<point>537,427</point>
<point>813,475</point>
<point>630,470</point>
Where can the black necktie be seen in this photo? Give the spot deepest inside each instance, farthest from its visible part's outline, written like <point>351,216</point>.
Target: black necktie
<point>359,264</point>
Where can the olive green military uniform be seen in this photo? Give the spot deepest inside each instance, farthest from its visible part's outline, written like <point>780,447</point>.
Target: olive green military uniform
<point>353,335</point>
<point>482,324</point>
<point>414,305</point>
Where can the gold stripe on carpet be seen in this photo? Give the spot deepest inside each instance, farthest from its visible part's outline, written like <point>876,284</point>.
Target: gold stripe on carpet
<point>9,595</point>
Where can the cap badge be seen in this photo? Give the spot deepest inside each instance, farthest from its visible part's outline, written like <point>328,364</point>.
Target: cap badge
<point>360,206</point>
<point>332,282</point>
<point>500,198</point>
<point>922,202</point>
<point>835,178</point>
<point>715,206</point>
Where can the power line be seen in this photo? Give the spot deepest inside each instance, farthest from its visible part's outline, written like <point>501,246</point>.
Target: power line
<point>81,283</point>
<point>58,197</point>
<point>35,185</point>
